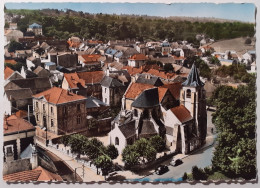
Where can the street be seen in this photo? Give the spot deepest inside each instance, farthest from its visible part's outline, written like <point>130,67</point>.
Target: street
<point>201,158</point>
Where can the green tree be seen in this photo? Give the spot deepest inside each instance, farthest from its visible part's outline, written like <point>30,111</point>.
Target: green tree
<point>112,151</point>
<point>130,156</point>
<point>185,176</point>
<point>104,162</point>
<point>13,46</point>
<point>94,148</point>
<point>198,173</point>
<point>157,142</point>
<point>77,143</point>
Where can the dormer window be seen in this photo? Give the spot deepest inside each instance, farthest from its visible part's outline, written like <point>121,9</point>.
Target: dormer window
<point>188,93</point>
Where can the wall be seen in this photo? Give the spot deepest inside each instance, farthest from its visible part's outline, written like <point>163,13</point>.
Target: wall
<point>16,166</point>
<point>67,60</point>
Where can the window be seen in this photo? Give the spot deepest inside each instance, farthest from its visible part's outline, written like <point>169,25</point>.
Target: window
<point>51,109</point>
<point>116,141</point>
<point>78,119</point>
<point>9,150</point>
<point>37,117</point>
<point>43,107</point>
<point>135,113</point>
<point>78,107</point>
<point>105,89</point>
<point>105,100</point>
<point>52,123</point>
<point>188,94</point>
<point>36,104</point>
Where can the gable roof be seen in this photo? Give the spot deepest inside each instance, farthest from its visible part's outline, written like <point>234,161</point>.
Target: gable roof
<point>8,72</point>
<point>161,74</point>
<point>21,113</point>
<point>138,57</point>
<point>174,88</point>
<point>93,102</point>
<point>91,58</point>
<point>128,129</point>
<point>149,79</point>
<point>110,82</point>
<point>91,77</point>
<point>14,124</point>
<point>37,174</point>
<point>147,99</point>
<point>181,113</point>
<point>193,78</point>
<point>161,92</point>
<point>147,128</point>
<point>58,95</point>
<point>132,70</point>
<point>41,71</point>
<point>10,61</point>
<point>18,94</point>
<point>135,89</point>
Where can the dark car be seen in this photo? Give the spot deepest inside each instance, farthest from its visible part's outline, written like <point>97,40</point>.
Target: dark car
<point>161,169</point>
<point>176,162</point>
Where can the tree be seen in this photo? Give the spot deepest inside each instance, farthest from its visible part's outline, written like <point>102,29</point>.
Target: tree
<point>130,156</point>
<point>112,151</point>
<point>150,153</point>
<point>248,41</point>
<point>13,46</point>
<point>16,67</point>
<point>214,60</point>
<point>198,173</point>
<point>104,162</point>
<point>185,176</point>
<point>77,144</point>
<point>94,148</point>
<point>157,142</point>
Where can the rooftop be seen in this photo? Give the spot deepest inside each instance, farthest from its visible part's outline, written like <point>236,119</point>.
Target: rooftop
<point>193,78</point>
<point>57,95</point>
<point>138,57</point>
<point>8,72</point>
<point>147,99</point>
<point>181,113</point>
<point>136,89</point>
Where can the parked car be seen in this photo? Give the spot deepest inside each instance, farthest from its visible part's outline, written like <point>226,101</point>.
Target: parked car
<point>176,162</point>
<point>161,169</point>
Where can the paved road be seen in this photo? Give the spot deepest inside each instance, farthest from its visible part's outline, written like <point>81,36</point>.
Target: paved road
<point>201,158</point>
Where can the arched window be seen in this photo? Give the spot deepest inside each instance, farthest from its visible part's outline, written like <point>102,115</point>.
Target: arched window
<point>116,141</point>
<point>188,93</point>
<point>135,113</point>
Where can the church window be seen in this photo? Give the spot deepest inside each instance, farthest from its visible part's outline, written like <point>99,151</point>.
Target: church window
<point>116,141</point>
<point>188,93</point>
<point>135,113</point>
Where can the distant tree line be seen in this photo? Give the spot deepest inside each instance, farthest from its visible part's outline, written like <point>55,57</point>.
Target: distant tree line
<point>106,27</point>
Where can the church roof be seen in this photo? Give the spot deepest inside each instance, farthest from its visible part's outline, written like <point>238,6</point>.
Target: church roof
<point>193,78</point>
<point>128,129</point>
<point>147,99</point>
<point>147,128</point>
<point>110,82</point>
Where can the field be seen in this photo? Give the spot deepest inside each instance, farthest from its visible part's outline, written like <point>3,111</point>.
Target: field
<point>237,44</point>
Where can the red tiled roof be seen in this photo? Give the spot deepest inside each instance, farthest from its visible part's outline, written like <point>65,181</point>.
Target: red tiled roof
<point>135,89</point>
<point>174,89</point>
<point>178,58</point>
<point>37,174</point>
<point>58,95</point>
<point>91,58</point>
<point>14,124</point>
<point>11,61</point>
<point>95,42</point>
<point>8,72</point>
<point>132,70</point>
<point>182,113</point>
<point>21,113</point>
<point>146,68</point>
<point>161,74</point>
<point>91,77</point>
<point>138,57</point>
<point>161,92</point>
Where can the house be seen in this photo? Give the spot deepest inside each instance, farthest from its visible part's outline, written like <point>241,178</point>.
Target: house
<point>32,62</point>
<point>124,53</point>
<point>67,60</point>
<point>145,113</point>
<point>253,67</point>
<point>91,62</point>
<point>23,53</point>
<point>50,66</point>
<point>149,79</point>
<point>95,106</point>
<point>60,111</point>
<point>18,134</point>
<point>36,175</point>
<point>110,53</point>
<point>84,83</point>
<point>35,28</point>
<point>137,60</point>
<point>74,42</point>
<point>249,56</point>
<point>36,85</point>
<point>41,72</point>
<point>8,72</point>
<point>26,73</point>
<point>112,91</point>
<point>166,48</point>
<point>142,49</point>
<point>19,99</point>
<point>11,34</point>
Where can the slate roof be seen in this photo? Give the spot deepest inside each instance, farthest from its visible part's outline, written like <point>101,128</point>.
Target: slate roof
<point>35,25</point>
<point>32,83</point>
<point>111,51</point>
<point>147,128</point>
<point>58,95</point>
<point>181,113</point>
<point>37,174</point>
<point>147,99</point>
<point>18,94</point>
<point>110,82</point>
<point>41,70</point>
<point>30,74</point>
<point>27,153</point>
<point>14,124</point>
<point>193,79</point>
<point>93,102</point>
<point>128,129</point>
<point>149,79</point>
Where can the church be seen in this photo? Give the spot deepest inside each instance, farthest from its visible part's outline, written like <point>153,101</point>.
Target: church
<point>148,110</point>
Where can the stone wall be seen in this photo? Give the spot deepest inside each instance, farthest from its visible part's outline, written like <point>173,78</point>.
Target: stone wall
<point>16,166</point>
